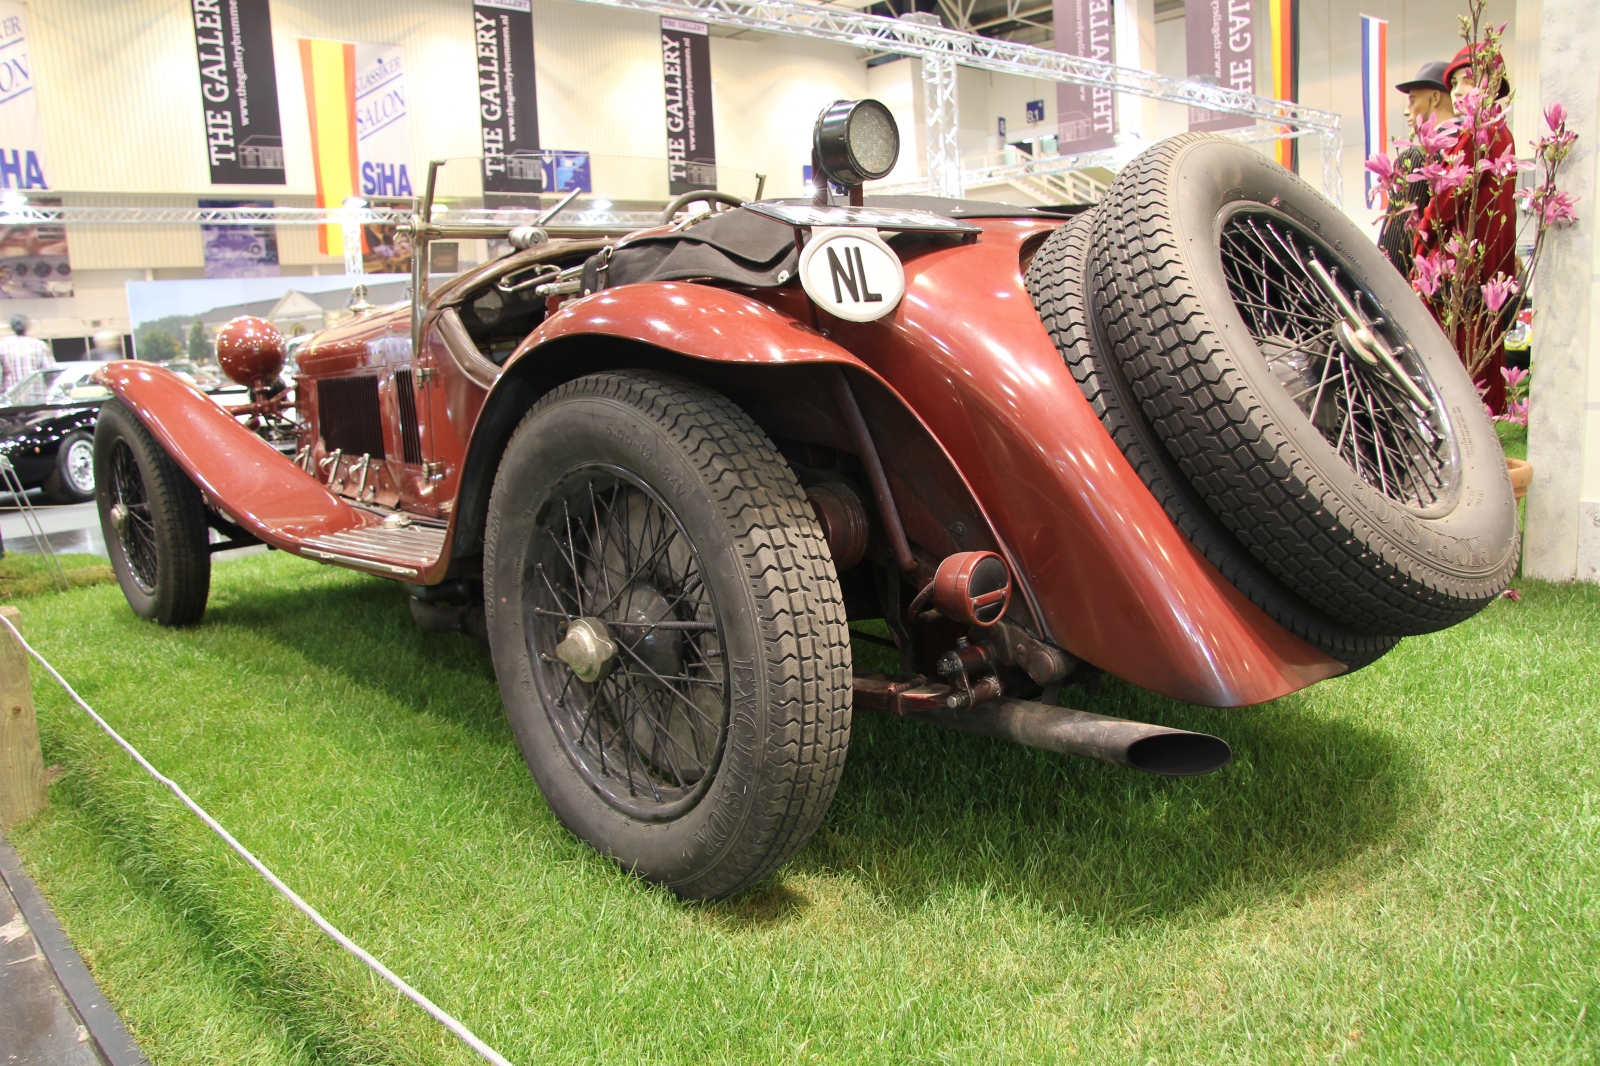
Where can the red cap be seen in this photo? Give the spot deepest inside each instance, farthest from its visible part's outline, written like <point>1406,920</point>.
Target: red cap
<point>1463,59</point>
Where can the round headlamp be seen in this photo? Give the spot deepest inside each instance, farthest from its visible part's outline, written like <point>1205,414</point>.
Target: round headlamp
<point>856,141</point>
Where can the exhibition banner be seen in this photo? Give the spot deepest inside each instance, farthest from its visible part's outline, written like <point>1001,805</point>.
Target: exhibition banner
<point>508,112</point>
<point>383,133</point>
<point>328,68</point>
<point>239,91</point>
<point>1222,51</point>
<point>565,171</point>
<point>21,141</point>
<point>1374,70</point>
<point>239,251</point>
<point>33,259</point>
<point>1087,114</point>
<point>686,70</point>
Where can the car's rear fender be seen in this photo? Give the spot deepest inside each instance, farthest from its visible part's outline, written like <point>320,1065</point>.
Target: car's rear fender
<point>239,474</point>
<point>774,366</point>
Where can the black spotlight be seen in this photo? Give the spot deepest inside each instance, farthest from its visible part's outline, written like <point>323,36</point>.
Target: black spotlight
<point>854,141</point>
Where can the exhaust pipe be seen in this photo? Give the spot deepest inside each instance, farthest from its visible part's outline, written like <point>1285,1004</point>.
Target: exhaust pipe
<point>1138,745</point>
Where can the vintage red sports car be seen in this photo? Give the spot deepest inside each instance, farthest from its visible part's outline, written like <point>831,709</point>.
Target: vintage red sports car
<point>1201,437</point>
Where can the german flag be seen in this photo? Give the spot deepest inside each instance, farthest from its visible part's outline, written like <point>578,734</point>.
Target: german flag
<point>329,69</point>
<point>1285,19</point>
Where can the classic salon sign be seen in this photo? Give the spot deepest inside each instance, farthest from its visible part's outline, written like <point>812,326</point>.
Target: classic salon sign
<point>239,91</point>
<point>852,274</point>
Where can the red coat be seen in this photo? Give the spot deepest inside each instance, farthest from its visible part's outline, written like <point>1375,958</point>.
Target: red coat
<point>1495,226</point>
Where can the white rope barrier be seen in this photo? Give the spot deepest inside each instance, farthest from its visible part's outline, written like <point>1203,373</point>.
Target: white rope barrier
<point>439,1013</point>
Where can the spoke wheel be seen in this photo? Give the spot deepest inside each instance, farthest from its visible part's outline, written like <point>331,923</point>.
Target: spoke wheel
<point>1362,408</point>
<point>131,519</point>
<point>153,519</point>
<point>667,630</point>
<point>647,733</point>
<point>1298,385</point>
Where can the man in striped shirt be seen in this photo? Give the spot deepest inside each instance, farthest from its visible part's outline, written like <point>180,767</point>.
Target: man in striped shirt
<point>21,355</point>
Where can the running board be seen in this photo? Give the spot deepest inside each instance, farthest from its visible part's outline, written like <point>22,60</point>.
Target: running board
<point>404,552</point>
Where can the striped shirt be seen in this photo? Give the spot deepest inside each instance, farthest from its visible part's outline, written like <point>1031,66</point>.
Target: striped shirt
<point>21,356</point>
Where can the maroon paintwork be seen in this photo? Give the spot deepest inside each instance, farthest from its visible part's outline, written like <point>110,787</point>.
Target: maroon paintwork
<point>250,351</point>
<point>1110,577</point>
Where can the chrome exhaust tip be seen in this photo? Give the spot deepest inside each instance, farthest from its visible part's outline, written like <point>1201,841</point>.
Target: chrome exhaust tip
<point>1138,745</point>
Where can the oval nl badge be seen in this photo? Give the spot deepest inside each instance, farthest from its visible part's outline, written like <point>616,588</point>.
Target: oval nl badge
<point>852,274</point>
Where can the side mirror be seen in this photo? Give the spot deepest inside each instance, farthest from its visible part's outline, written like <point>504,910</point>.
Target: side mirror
<point>250,351</point>
<point>854,141</point>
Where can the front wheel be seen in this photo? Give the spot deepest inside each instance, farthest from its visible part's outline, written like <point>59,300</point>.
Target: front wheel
<point>154,521</point>
<point>667,630</point>
<point>72,481</point>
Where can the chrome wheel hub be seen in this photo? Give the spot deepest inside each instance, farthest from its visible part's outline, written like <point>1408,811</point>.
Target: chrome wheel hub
<point>587,649</point>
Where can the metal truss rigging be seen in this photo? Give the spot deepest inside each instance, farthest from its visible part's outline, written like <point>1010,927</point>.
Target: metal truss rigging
<point>916,36</point>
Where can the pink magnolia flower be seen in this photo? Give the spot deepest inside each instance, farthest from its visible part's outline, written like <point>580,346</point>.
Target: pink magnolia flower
<point>1517,412</point>
<point>1382,166</point>
<point>1443,175</point>
<point>1511,594</point>
<point>1557,208</point>
<point>1555,116</point>
<point>1431,269</point>
<point>1514,375</point>
<point>1434,135</point>
<point>1505,164</point>
<point>1497,290</point>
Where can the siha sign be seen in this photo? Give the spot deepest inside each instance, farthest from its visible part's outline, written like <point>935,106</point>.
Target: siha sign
<point>21,141</point>
<point>383,134</point>
<point>508,112</point>
<point>852,274</point>
<point>239,91</point>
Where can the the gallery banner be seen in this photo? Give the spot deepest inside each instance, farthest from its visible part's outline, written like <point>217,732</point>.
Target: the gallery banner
<point>383,132</point>
<point>508,111</point>
<point>239,251</point>
<point>1087,114</point>
<point>1222,51</point>
<point>686,70</point>
<point>21,142</point>
<point>239,91</point>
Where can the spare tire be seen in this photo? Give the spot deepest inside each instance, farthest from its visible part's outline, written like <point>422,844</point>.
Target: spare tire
<point>1056,283</point>
<point>1302,389</point>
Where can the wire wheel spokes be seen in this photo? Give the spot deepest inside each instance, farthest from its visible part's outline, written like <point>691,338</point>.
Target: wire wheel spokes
<point>130,508</point>
<point>648,732</point>
<point>1279,277</point>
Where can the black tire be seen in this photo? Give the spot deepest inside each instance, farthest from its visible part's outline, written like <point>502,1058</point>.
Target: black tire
<point>72,481</point>
<point>731,782</point>
<point>1411,544</point>
<point>154,521</point>
<point>1056,282</point>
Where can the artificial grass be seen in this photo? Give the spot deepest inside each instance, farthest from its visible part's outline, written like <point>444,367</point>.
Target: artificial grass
<point>1399,866</point>
<point>23,574</point>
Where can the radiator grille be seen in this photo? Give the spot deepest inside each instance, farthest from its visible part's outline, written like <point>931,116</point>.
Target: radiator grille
<point>406,398</point>
<point>348,415</point>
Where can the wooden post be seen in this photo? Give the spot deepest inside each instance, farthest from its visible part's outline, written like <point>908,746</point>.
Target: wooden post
<point>22,781</point>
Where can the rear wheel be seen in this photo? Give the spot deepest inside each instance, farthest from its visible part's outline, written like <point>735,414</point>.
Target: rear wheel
<point>154,521</point>
<point>72,481</point>
<point>667,630</point>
